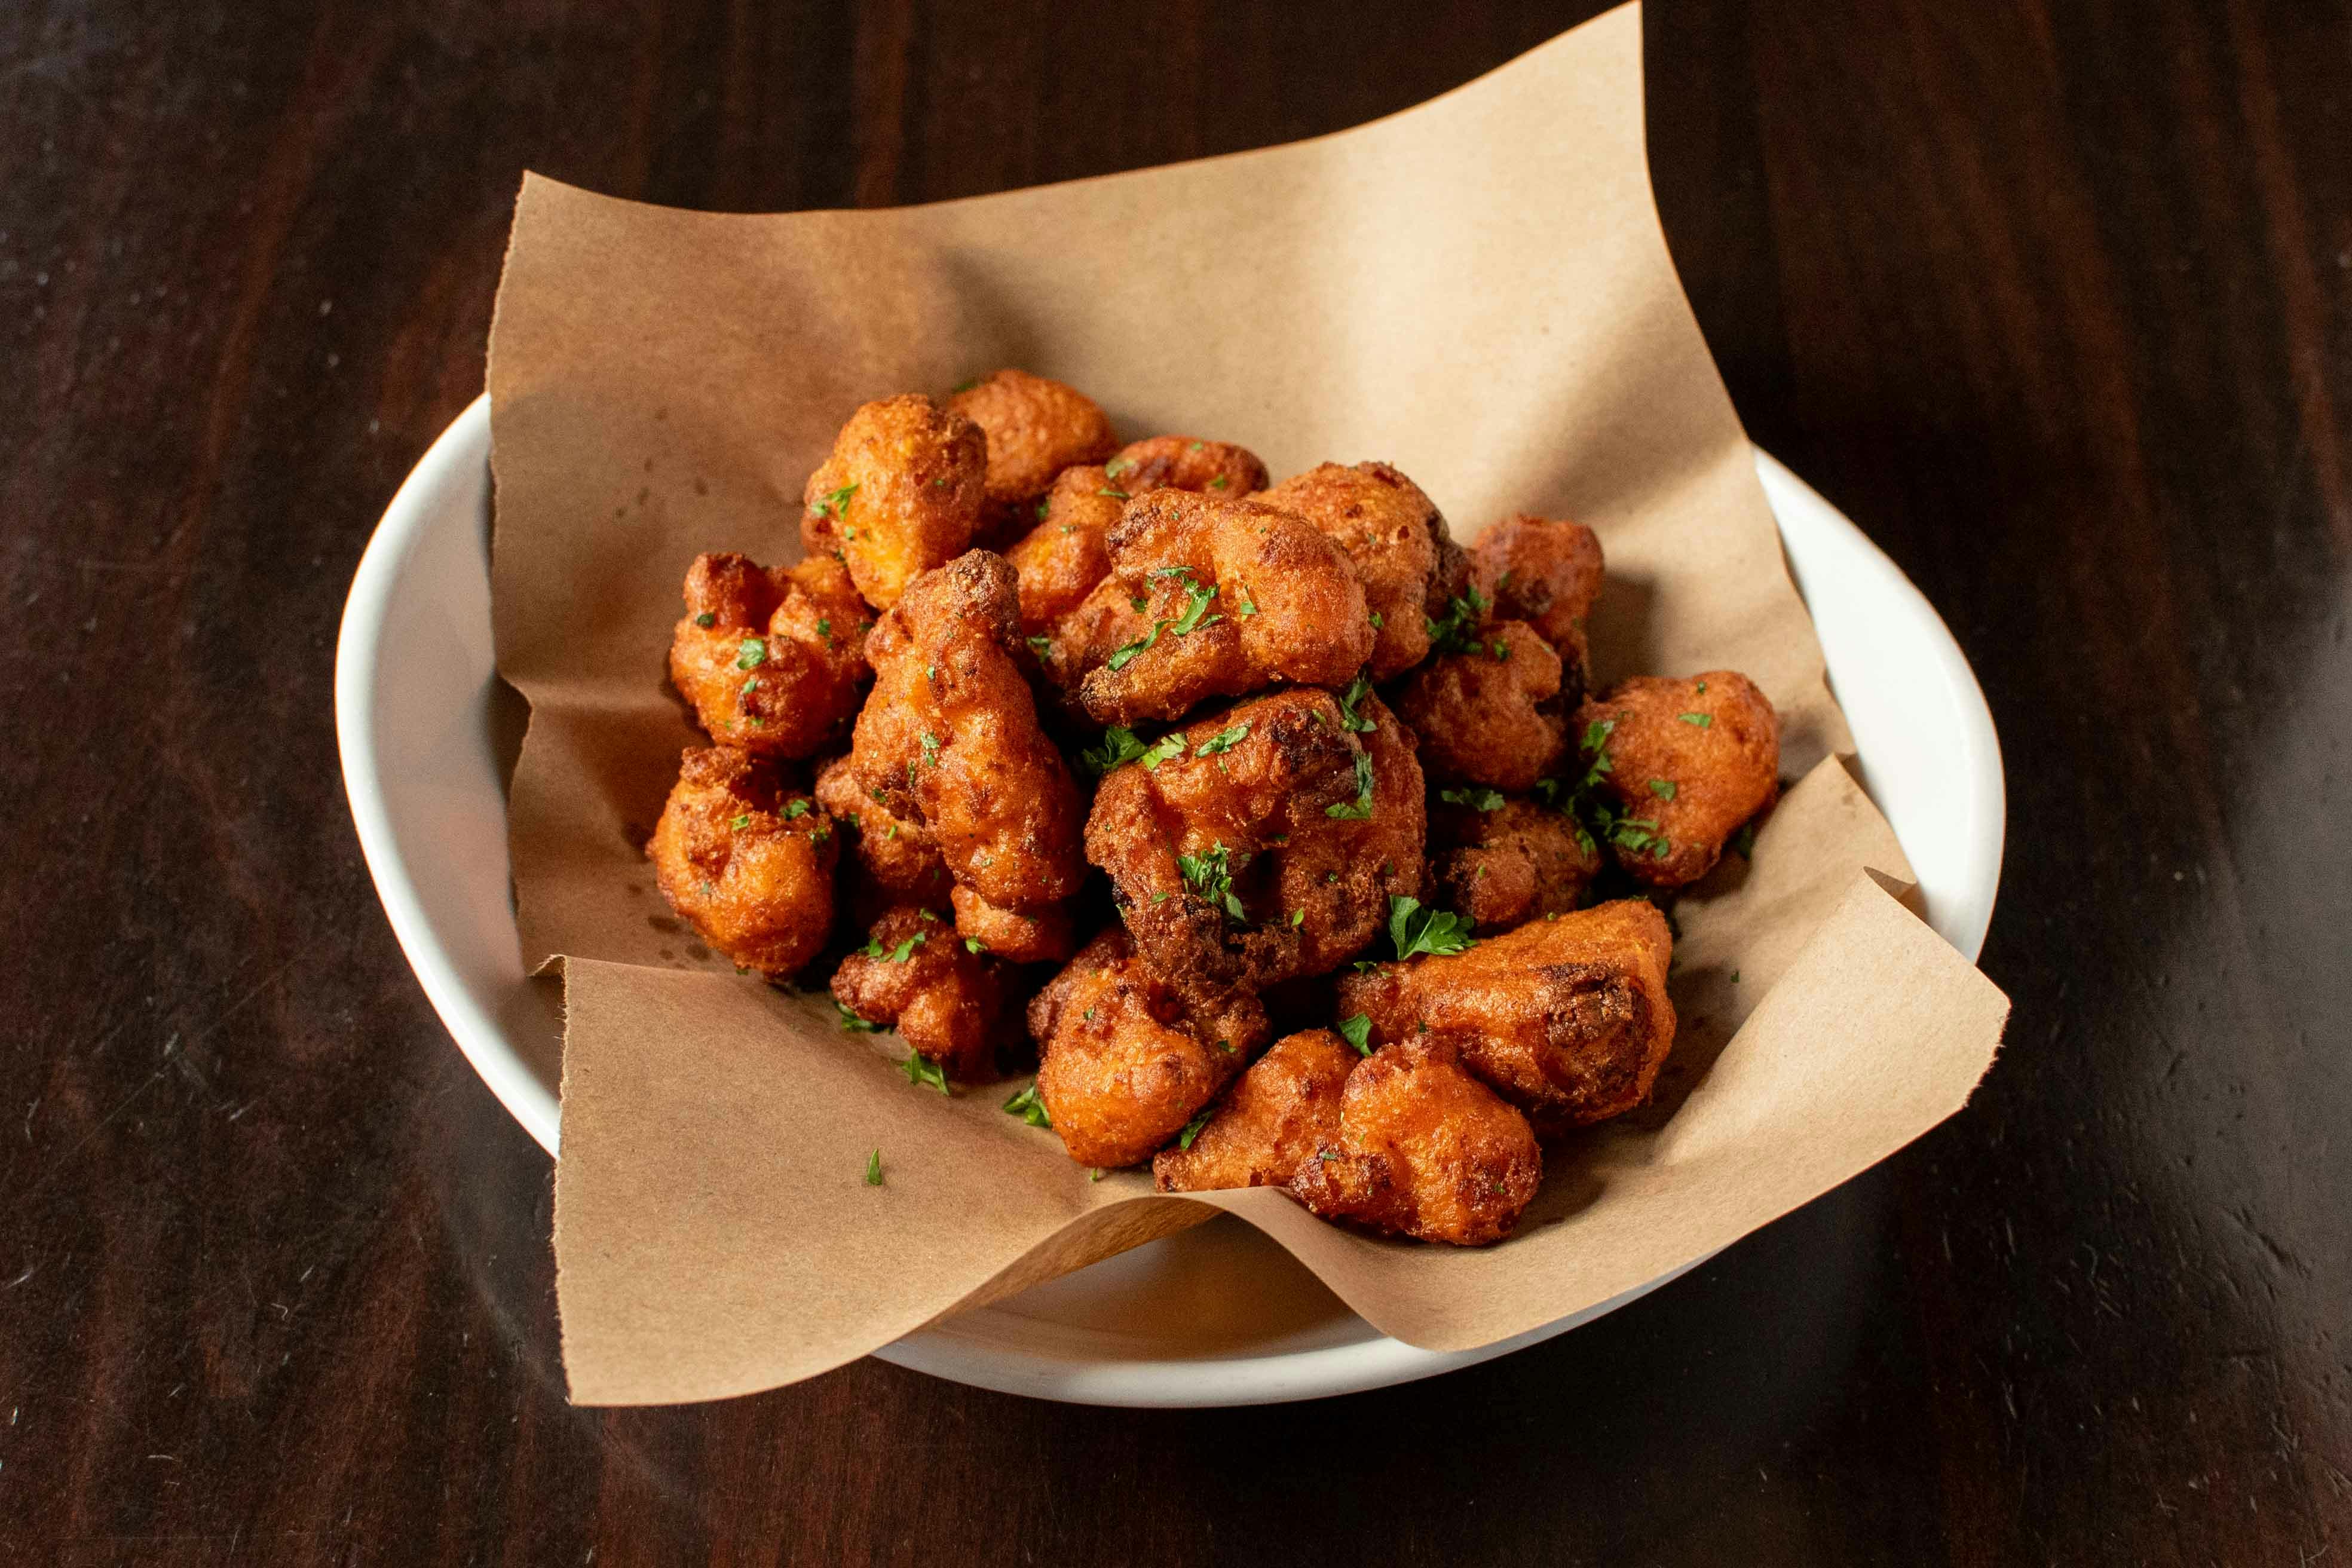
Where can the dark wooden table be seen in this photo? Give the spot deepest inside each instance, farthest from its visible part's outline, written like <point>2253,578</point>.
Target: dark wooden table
<point>2055,299</point>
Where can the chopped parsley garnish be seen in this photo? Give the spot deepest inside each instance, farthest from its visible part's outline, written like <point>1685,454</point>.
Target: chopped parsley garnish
<point>974,945</point>
<point>1114,495</point>
<point>1118,745</point>
<point>899,954</point>
<point>1124,656</point>
<point>1043,647</point>
<point>1028,1106</point>
<point>1193,447</point>
<point>793,808</point>
<point>1169,748</point>
<point>1501,650</point>
<point>931,749</point>
<point>1225,739</point>
<point>1219,482</point>
<point>1297,917</point>
<point>1663,788</point>
<point>1458,632</point>
<point>853,1023</point>
<point>1192,1127</point>
<point>874,1169</point>
<point>1117,467</point>
<point>1704,721</point>
<point>751,684</point>
<point>1416,928</point>
<point>1377,622</point>
<point>921,1069</point>
<point>1473,797</point>
<point>824,628</point>
<point>1361,808</point>
<point>1349,719</point>
<point>836,505</point>
<point>1634,834</point>
<point>1358,1031</point>
<point>741,821</point>
<point>1702,689</point>
<point>1192,620</point>
<point>706,619</point>
<point>752,654</point>
<point>1210,875</point>
<point>1245,609</point>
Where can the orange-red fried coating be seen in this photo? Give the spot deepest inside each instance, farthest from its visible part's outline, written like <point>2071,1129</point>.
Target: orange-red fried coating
<point>1567,1018</point>
<point>1036,428</point>
<point>1226,861</point>
<point>1690,761</point>
<point>914,975</point>
<point>950,738</point>
<point>748,862</point>
<point>892,859</point>
<point>1286,1107</point>
<point>900,494</point>
<point>1060,560</point>
<point>1545,570</point>
<point>1238,596</point>
<point>1489,716</point>
<point>1499,859</point>
<point>771,659</point>
<point>1045,935</point>
<point>1127,1062</point>
<point>1423,1149</point>
<point>1392,530</point>
<point>1186,463</point>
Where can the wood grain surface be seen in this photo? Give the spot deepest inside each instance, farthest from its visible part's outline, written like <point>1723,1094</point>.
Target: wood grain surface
<point>2055,299</point>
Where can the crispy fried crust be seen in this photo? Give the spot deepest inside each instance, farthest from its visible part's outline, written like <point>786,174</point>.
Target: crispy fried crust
<point>1216,468</point>
<point>1127,1062</point>
<point>1277,886</point>
<point>1044,936</point>
<point>1423,1149</point>
<point>771,659</point>
<point>1720,772</point>
<point>1545,570</point>
<point>949,1003</point>
<point>914,477</point>
<point>755,882</point>
<point>1285,1107</point>
<point>1392,530</point>
<point>1490,717</point>
<point>1060,560</point>
<point>1566,1018</point>
<point>892,859</point>
<point>950,738</point>
<point>1286,605</point>
<point>1501,866</point>
<point>1036,428</point>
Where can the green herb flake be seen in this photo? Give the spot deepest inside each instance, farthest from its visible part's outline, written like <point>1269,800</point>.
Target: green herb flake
<point>902,954</point>
<point>836,505</point>
<point>1245,609</point>
<point>1225,739</point>
<point>824,629</point>
<point>1361,808</point>
<point>1192,619</point>
<point>1194,447</point>
<point>1169,748</point>
<point>1192,1127</point>
<point>1349,717</point>
<point>1377,622</point>
<point>1298,918</point>
<point>1358,1031</point>
<point>1030,1106</point>
<point>931,749</point>
<point>1117,467</point>
<point>1702,689</point>
<point>874,1169</point>
<point>1210,875</point>
<point>1458,632</point>
<point>1704,721</point>
<point>751,654</point>
<point>1118,746</point>
<point>1096,1174</point>
<point>1473,796</point>
<point>1123,656</point>
<point>1043,647</point>
<point>795,808</point>
<point>1663,788</point>
<point>853,1023</point>
<point>1416,928</point>
<point>740,821</point>
<point>919,1069</point>
<point>706,619</point>
<point>972,944</point>
<point>1219,482</point>
<point>1112,494</point>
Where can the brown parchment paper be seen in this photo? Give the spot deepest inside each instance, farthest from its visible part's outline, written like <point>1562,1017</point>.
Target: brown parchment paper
<point>1477,290</point>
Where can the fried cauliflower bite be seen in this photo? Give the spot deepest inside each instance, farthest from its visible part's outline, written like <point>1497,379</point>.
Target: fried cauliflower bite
<point>1238,596</point>
<point>1217,469</point>
<point>745,860</point>
<point>1568,1018</point>
<point>1036,428</point>
<point>1126,1061</point>
<point>1105,621</point>
<point>946,1001</point>
<point>1545,570</point>
<point>1689,761</point>
<point>1392,530</point>
<point>1490,716</point>
<point>900,494</point>
<point>949,738</point>
<point>1286,1107</point>
<point>1042,936</point>
<point>1422,1150</point>
<point>1226,860</point>
<point>771,659</point>
<point>1060,560</point>
<point>1497,860</point>
<point>892,859</point>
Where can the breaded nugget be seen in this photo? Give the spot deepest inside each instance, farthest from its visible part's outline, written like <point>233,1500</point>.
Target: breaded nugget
<point>1545,570</point>
<point>1689,761</point>
<point>1264,842</point>
<point>745,860</point>
<point>1392,530</point>
<point>771,659</point>
<point>1060,560</point>
<point>1499,859</point>
<point>1423,1149</point>
<point>1490,716</point>
<point>1567,1018</point>
<point>1036,428</point>
<point>1127,1062</point>
<point>1216,468</point>
<point>1239,597</point>
<point>900,494</point>
<point>913,975</point>
<point>1045,935</point>
<point>1286,1107</point>
<point>950,738</point>
<point>892,859</point>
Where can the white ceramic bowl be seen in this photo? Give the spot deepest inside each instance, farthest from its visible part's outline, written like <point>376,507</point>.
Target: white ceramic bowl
<point>1217,1315</point>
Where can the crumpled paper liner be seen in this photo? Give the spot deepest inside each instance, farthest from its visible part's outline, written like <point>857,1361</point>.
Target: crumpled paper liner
<point>1477,290</point>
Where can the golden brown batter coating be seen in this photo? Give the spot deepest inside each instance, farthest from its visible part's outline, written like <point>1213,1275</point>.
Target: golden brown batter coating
<point>1286,1107</point>
<point>914,975</point>
<point>1392,530</point>
<point>950,738</point>
<point>1423,1149</point>
<point>892,859</point>
<point>1217,469</point>
<point>1036,428</point>
<point>1127,1062</point>
<point>1489,717</point>
<point>745,860</point>
<point>1499,859</point>
<point>1567,1018</point>
<point>771,659</point>
<point>1060,560</point>
<point>900,494</point>
<point>1041,936</point>
<point>1690,759</point>
<point>1545,570</point>
<point>1237,596</point>
<point>1226,860</point>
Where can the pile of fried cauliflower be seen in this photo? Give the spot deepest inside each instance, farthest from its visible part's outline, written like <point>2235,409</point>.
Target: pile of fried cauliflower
<point>1311,744</point>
